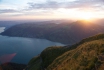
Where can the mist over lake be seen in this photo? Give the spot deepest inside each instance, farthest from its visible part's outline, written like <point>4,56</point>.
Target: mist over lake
<point>21,50</point>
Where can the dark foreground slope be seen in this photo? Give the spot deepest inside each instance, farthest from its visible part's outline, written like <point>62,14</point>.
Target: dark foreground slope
<point>85,55</point>
<point>66,33</point>
<point>12,66</point>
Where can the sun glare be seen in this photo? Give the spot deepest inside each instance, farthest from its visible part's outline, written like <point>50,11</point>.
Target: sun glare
<point>86,16</point>
<point>75,14</point>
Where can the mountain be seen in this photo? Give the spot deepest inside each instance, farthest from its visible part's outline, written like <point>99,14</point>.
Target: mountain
<point>12,66</point>
<point>88,54</point>
<point>63,32</point>
<point>101,21</point>
<point>8,24</point>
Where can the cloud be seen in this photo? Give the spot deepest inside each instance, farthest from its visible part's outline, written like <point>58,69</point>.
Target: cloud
<point>47,5</point>
<point>51,6</point>
<point>74,4</point>
<point>24,12</point>
<point>7,11</point>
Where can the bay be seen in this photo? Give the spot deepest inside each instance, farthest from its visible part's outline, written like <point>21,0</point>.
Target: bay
<point>21,50</point>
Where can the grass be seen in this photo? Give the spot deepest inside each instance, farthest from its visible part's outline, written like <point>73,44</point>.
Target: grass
<point>81,56</point>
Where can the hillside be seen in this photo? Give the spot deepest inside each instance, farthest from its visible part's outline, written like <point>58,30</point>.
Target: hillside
<point>88,54</point>
<point>66,33</point>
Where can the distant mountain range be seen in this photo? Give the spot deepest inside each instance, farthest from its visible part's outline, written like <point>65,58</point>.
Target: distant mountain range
<point>8,24</point>
<point>63,32</point>
<point>100,21</point>
<point>88,54</point>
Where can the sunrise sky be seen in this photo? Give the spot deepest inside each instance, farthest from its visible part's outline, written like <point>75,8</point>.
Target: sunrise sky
<point>51,9</point>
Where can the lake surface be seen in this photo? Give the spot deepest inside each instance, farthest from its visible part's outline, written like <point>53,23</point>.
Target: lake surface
<point>21,50</point>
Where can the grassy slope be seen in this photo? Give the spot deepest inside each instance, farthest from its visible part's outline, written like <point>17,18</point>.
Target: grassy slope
<point>34,64</point>
<point>81,56</point>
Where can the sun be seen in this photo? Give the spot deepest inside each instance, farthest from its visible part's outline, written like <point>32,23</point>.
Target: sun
<point>75,14</point>
<point>86,16</point>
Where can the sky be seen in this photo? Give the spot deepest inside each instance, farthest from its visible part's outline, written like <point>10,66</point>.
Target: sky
<point>51,9</point>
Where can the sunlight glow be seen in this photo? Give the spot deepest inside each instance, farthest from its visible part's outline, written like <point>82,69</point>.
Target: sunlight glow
<point>75,14</point>
<point>86,16</point>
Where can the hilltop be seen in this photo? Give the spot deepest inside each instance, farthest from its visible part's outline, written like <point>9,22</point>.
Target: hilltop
<point>88,54</point>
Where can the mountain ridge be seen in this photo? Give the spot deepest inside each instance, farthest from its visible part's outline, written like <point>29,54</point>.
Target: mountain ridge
<point>66,33</point>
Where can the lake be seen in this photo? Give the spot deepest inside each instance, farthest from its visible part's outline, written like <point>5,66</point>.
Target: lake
<point>21,50</point>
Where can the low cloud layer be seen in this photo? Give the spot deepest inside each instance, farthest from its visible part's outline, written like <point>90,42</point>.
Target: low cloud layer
<point>7,11</point>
